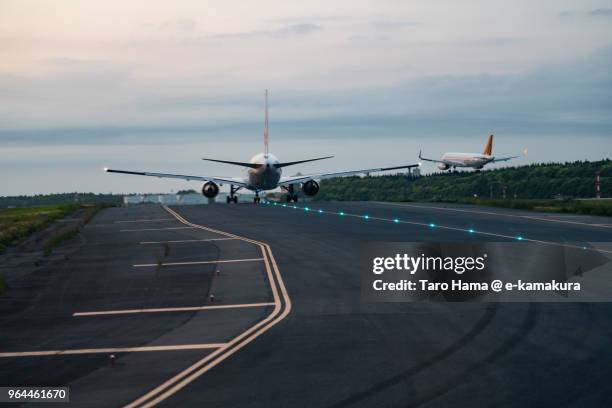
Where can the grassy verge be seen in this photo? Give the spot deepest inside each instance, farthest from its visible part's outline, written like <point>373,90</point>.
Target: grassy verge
<point>590,207</point>
<point>18,223</point>
<point>70,232</point>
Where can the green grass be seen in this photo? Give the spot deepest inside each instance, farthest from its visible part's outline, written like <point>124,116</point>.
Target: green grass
<point>17,224</point>
<point>57,238</point>
<point>68,233</point>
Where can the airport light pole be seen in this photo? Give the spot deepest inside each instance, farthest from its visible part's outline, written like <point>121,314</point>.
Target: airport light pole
<point>598,184</point>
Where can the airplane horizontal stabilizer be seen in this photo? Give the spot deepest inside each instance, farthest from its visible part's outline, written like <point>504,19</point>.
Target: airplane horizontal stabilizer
<point>279,165</point>
<point>243,164</point>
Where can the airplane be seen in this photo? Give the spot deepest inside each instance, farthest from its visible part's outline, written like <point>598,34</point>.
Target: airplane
<point>264,172</point>
<point>474,160</point>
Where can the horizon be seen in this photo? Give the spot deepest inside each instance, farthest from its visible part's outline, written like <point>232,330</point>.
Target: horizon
<point>155,86</point>
<point>188,189</point>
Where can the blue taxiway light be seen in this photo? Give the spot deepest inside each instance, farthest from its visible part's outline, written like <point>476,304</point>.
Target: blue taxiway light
<point>396,221</point>
<point>432,225</point>
<point>306,209</point>
<point>366,216</point>
<point>519,238</point>
<point>320,211</point>
<point>341,212</point>
<point>471,231</point>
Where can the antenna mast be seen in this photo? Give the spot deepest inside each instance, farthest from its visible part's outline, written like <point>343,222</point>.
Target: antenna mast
<point>266,127</point>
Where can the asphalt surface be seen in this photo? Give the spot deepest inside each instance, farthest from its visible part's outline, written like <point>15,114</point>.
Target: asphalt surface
<point>332,350</point>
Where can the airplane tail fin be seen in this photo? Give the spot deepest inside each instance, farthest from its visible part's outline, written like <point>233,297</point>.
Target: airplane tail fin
<point>266,127</point>
<point>488,150</point>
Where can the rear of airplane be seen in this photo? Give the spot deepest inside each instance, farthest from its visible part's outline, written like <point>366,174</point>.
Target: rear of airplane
<point>488,150</point>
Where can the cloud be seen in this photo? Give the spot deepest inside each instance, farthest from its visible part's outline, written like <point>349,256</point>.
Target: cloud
<point>393,24</point>
<point>599,12</point>
<point>496,41</point>
<point>310,19</point>
<point>570,98</point>
<point>285,31</point>
<point>179,26</point>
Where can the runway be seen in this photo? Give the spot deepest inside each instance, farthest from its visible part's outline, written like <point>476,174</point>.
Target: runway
<point>144,276</point>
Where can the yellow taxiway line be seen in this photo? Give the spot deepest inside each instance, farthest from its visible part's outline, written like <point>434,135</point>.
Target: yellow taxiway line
<point>113,350</point>
<point>155,229</point>
<point>197,262</point>
<point>171,309</point>
<point>182,241</point>
<point>151,220</point>
<point>281,310</point>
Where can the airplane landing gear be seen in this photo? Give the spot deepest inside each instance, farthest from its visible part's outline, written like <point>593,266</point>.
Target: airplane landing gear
<point>291,195</point>
<point>256,199</point>
<point>232,198</point>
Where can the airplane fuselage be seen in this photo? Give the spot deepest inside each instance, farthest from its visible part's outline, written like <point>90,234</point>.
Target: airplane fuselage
<point>265,177</point>
<point>474,160</point>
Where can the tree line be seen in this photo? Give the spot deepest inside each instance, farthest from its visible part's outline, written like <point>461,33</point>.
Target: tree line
<point>535,181</point>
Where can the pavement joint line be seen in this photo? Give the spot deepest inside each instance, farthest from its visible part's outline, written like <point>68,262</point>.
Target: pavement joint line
<point>113,350</point>
<point>180,241</point>
<point>149,220</point>
<point>172,309</point>
<point>530,217</point>
<point>155,229</point>
<point>281,310</point>
<point>197,262</point>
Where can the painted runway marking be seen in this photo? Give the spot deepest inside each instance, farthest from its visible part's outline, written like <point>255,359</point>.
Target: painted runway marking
<point>155,229</point>
<point>197,262</point>
<point>171,309</point>
<point>281,310</point>
<point>113,350</point>
<point>529,217</point>
<point>151,220</point>
<point>181,241</point>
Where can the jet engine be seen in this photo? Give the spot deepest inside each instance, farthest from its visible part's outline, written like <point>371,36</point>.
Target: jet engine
<point>310,188</point>
<point>210,189</point>
<point>443,166</point>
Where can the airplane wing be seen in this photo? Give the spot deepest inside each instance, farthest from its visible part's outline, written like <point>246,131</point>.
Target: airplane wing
<point>499,159</point>
<point>431,160</point>
<point>285,181</point>
<point>237,181</point>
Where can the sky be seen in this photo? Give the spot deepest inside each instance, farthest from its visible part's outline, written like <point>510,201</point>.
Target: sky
<point>157,85</point>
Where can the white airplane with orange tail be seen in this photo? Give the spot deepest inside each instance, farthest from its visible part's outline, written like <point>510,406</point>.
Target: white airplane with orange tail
<point>264,172</point>
<point>450,161</point>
